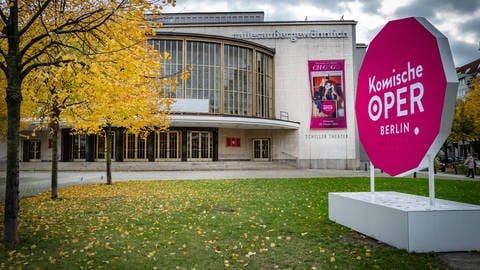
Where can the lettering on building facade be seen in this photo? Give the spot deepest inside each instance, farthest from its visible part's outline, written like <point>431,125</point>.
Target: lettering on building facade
<point>293,36</point>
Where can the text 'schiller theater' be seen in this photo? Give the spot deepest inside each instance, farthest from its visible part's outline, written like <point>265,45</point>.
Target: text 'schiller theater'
<point>259,90</point>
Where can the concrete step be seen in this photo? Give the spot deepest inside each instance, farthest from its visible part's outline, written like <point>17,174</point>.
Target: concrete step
<point>159,166</point>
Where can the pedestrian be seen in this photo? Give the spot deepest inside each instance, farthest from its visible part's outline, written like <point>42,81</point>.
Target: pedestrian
<point>470,163</point>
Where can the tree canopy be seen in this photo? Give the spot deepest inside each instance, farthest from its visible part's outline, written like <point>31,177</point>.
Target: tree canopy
<point>51,33</point>
<point>472,106</point>
<point>466,122</point>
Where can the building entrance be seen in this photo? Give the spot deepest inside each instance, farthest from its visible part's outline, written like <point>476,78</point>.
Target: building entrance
<point>200,145</point>
<point>261,149</point>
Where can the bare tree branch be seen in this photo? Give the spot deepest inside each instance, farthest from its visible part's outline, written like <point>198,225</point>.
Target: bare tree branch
<point>3,67</point>
<point>52,44</point>
<point>58,30</point>
<point>3,17</point>
<point>35,17</point>
<point>66,105</point>
<point>28,69</point>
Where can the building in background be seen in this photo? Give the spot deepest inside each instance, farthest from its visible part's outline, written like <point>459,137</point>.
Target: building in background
<point>259,90</point>
<point>460,149</point>
<point>466,74</point>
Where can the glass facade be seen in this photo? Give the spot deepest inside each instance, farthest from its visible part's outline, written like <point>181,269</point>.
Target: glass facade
<point>236,78</point>
<point>264,80</point>
<point>172,67</point>
<point>204,59</point>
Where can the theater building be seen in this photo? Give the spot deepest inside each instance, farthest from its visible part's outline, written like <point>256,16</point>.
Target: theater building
<point>258,91</point>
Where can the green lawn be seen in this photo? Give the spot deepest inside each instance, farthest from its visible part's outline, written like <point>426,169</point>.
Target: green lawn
<point>251,224</point>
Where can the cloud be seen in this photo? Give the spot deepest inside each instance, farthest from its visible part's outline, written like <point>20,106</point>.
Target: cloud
<point>464,52</point>
<point>429,8</point>
<point>458,20</point>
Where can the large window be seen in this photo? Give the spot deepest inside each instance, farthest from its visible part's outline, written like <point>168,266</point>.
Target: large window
<point>204,60</point>
<point>172,67</point>
<point>167,145</point>
<point>236,78</point>
<point>264,79</point>
<point>135,147</point>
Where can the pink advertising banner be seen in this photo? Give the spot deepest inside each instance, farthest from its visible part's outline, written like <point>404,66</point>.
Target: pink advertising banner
<point>327,90</point>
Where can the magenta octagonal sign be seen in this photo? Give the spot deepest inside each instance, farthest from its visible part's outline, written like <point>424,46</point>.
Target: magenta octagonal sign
<point>406,94</point>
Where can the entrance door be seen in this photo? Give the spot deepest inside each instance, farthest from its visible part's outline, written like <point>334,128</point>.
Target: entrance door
<point>200,145</point>
<point>261,149</point>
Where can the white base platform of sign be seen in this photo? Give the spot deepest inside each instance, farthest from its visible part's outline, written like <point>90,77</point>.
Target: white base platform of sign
<point>408,221</point>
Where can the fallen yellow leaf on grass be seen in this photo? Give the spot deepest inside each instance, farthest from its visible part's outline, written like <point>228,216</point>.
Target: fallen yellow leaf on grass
<point>151,254</point>
<point>368,253</point>
<point>107,246</point>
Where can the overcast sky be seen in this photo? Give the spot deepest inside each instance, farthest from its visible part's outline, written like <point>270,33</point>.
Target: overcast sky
<point>458,20</point>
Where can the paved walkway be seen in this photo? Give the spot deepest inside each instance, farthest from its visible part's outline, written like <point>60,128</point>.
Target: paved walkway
<point>32,182</point>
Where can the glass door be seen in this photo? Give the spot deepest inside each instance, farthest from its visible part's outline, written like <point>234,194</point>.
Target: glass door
<point>200,145</point>
<point>79,147</point>
<point>261,149</point>
<point>167,145</point>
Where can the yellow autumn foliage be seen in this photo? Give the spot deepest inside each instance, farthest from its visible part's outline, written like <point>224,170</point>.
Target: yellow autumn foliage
<point>472,106</point>
<point>116,82</point>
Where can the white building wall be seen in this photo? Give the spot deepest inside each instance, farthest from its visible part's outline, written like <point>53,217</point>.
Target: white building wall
<point>308,148</point>
<point>233,153</point>
<point>316,148</point>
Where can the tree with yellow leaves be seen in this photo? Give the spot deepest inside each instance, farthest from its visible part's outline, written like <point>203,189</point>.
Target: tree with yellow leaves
<point>466,121</point>
<point>127,93</point>
<point>33,33</point>
<point>472,108</point>
<point>53,92</point>
<point>95,92</point>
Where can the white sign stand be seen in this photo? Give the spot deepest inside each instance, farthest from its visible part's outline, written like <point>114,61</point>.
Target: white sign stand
<point>372,178</point>
<point>410,222</point>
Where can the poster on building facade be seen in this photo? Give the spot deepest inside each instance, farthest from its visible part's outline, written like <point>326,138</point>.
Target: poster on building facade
<point>327,90</point>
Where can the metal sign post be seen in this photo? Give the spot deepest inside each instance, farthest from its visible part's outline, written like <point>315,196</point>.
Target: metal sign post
<point>372,182</point>
<point>431,181</point>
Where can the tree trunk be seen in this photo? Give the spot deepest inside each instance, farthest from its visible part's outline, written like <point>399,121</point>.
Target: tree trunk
<point>54,126</point>
<point>14,100</point>
<point>445,150</point>
<point>12,197</point>
<point>108,160</point>
<point>477,148</point>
